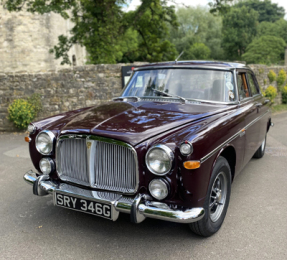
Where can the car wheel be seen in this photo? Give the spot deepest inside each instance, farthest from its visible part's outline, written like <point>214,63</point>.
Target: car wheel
<point>216,201</point>
<point>261,150</point>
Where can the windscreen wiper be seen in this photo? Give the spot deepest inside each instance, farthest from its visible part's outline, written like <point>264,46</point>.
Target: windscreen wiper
<point>169,95</point>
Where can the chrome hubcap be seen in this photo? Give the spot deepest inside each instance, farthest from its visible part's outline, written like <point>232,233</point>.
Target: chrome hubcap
<point>217,197</point>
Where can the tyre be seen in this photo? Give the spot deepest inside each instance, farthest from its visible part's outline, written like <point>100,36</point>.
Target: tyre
<point>216,201</point>
<point>261,150</point>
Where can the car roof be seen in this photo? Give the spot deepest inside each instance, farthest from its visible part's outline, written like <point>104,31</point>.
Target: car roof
<point>195,64</point>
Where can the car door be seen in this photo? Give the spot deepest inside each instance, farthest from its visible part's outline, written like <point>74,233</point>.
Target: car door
<point>251,110</point>
<point>260,104</point>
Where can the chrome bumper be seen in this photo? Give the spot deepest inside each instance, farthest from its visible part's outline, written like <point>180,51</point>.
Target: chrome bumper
<point>139,207</point>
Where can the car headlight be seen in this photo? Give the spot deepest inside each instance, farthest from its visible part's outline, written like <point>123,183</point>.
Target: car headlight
<point>186,148</point>
<point>31,128</point>
<point>45,141</point>
<point>47,165</point>
<point>158,189</point>
<point>159,159</point>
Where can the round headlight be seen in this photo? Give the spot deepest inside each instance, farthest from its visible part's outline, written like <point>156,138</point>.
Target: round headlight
<point>44,142</point>
<point>159,159</point>
<point>31,128</point>
<point>186,149</point>
<point>158,189</point>
<point>47,165</point>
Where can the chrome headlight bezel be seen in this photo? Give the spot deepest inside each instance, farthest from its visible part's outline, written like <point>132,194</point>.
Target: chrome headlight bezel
<point>31,128</point>
<point>164,184</point>
<point>169,153</point>
<point>188,148</point>
<point>52,165</point>
<point>52,141</point>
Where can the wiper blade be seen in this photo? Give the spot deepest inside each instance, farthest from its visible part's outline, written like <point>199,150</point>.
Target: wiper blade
<point>126,98</point>
<point>169,95</point>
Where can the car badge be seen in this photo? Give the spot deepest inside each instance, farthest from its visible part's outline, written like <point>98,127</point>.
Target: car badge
<point>89,144</point>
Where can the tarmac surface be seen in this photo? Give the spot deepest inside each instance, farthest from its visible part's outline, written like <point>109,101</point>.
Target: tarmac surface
<point>255,226</point>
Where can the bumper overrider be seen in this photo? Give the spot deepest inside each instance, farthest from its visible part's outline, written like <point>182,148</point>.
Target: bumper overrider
<point>138,207</point>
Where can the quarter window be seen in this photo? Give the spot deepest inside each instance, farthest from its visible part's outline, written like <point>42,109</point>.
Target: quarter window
<point>252,85</point>
<point>242,86</point>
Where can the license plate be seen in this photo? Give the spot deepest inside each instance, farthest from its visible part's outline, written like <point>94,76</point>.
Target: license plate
<point>83,205</point>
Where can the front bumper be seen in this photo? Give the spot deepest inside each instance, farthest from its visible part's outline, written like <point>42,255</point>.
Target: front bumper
<point>139,207</point>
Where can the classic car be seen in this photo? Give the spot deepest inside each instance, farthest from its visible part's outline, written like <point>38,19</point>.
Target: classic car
<point>168,148</point>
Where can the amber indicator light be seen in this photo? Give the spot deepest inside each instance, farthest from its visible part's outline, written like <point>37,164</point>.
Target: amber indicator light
<point>27,139</point>
<point>190,165</point>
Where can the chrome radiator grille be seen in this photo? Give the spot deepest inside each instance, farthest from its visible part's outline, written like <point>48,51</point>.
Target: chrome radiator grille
<point>97,162</point>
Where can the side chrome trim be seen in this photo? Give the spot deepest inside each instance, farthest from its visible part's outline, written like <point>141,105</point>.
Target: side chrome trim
<point>240,133</point>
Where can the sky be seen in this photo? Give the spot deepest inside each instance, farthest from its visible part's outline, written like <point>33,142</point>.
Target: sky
<point>135,3</point>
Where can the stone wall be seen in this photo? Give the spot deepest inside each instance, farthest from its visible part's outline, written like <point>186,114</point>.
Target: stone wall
<point>61,91</point>
<point>25,40</point>
<point>261,72</point>
<point>69,89</point>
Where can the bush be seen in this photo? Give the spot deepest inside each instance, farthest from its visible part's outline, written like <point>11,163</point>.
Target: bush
<point>284,95</point>
<point>281,78</point>
<point>272,76</point>
<point>22,112</point>
<point>271,93</point>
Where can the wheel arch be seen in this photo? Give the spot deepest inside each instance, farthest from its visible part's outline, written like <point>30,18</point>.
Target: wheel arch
<point>229,153</point>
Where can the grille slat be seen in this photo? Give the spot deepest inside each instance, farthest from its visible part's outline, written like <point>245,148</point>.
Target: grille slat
<point>113,166</point>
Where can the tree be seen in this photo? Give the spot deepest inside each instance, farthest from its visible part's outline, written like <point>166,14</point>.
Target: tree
<point>199,51</point>
<point>101,26</point>
<point>239,29</point>
<point>268,11</point>
<point>197,25</point>
<point>151,21</point>
<point>220,6</point>
<point>265,50</point>
<point>278,29</point>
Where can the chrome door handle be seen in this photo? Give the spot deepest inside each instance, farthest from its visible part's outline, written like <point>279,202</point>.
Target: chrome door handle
<point>258,104</point>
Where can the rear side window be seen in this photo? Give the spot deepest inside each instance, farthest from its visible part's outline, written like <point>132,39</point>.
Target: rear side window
<point>243,90</point>
<point>252,85</point>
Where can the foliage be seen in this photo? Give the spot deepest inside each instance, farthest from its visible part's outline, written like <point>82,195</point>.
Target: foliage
<point>197,25</point>
<point>271,76</point>
<point>21,112</point>
<point>35,100</point>
<point>268,11</point>
<point>281,78</point>
<point>198,51</point>
<point>277,29</point>
<point>265,81</point>
<point>239,29</point>
<point>265,50</point>
<point>151,21</point>
<point>220,6</point>
<point>284,95</point>
<point>279,108</point>
<point>271,93</point>
<point>101,27</point>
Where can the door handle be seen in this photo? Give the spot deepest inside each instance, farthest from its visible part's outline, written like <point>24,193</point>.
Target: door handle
<point>258,105</point>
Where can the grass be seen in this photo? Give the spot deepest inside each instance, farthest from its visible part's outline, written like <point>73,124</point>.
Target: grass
<point>279,108</point>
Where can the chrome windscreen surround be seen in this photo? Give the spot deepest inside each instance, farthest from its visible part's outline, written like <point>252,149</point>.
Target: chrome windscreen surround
<point>98,162</point>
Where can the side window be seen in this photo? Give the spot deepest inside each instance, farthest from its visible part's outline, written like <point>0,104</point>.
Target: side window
<point>242,86</point>
<point>252,85</point>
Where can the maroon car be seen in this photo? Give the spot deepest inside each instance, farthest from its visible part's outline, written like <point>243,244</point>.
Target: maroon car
<point>168,148</point>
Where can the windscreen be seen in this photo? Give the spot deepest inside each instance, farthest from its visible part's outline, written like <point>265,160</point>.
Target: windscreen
<point>198,84</point>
